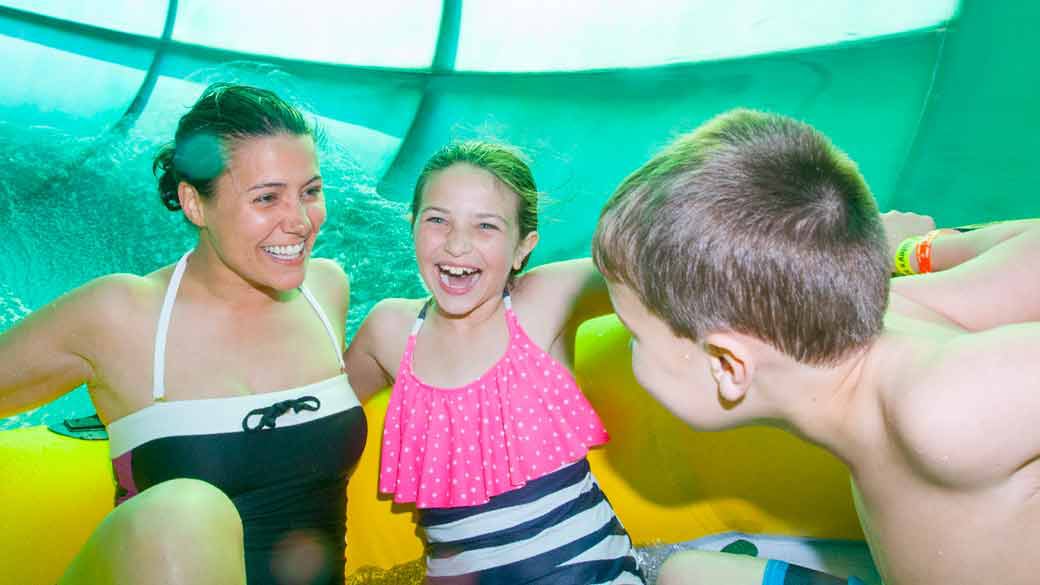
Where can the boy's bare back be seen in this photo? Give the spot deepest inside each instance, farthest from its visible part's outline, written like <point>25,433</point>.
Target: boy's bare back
<point>946,484</point>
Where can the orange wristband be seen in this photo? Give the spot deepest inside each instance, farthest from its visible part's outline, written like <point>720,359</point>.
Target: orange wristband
<point>924,252</point>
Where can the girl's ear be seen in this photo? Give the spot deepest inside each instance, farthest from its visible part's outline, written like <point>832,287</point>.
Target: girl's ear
<point>732,365</point>
<point>191,204</point>
<point>524,248</point>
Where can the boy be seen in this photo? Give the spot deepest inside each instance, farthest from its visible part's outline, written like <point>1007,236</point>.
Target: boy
<point>749,262</point>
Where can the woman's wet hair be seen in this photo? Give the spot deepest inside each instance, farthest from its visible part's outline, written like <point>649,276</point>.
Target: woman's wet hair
<point>224,114</point>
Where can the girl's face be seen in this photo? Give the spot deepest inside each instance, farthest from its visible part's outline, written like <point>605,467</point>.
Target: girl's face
<point>266,211</point>
<point>467,238</point>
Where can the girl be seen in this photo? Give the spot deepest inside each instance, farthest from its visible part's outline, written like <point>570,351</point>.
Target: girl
<point>486,430</point>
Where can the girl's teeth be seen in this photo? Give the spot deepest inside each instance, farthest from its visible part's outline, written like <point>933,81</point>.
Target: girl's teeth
<point>457,270</point>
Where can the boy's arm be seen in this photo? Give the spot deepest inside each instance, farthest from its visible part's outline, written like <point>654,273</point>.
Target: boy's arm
<point>982,278</point>
<point>978,400</point>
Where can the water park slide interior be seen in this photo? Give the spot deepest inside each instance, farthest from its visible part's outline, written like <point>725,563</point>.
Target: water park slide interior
<point>933,99</point>
<point>668,483</point>
<point>941,118</point>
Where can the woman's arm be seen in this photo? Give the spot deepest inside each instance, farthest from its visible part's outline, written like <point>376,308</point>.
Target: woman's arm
<point>49,352</point>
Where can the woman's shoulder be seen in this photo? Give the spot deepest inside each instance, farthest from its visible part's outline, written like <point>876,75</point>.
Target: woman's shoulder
<point>124,293</point>
<point>327,275</point>
<point>327,280</point>
<point>108,308</point>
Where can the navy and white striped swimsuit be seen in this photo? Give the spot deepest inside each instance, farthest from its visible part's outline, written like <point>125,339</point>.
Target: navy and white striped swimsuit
<point>282,457</point>
<point>557,529</point>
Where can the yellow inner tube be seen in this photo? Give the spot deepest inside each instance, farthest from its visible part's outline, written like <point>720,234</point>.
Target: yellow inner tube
<point>667,482</point>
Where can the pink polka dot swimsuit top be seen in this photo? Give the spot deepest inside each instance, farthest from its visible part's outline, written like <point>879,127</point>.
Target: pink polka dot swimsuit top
<point>451,447</point>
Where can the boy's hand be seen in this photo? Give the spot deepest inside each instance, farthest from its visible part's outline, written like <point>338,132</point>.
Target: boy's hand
<point>900,225</point>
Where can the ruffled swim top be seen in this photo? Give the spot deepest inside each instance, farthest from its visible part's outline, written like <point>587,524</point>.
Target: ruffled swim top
<point>450,447</point>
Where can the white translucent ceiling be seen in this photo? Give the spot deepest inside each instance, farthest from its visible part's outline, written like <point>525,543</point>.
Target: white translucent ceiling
<point>140,17</point>
<point>386,33</point>
<point>507,36</point>
<point>540,35</point>
<point>83,79</point>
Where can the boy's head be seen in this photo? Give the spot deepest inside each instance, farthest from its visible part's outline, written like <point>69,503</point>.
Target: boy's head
<point>752,224</point>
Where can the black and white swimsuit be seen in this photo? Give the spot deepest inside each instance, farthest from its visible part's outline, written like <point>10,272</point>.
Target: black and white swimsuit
<point>282,457</point>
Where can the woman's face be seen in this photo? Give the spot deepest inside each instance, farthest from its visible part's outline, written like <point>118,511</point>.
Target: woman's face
<point>266,210</point>
<point>467,237</point>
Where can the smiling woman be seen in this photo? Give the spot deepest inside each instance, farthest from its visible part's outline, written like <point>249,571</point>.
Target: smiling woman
<point>272,213</point>
<point>193,367</point>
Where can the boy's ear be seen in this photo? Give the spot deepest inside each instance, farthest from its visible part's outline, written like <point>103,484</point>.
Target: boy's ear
<point>191,204</point>
<point>524,249</point>
<point>732,364</point>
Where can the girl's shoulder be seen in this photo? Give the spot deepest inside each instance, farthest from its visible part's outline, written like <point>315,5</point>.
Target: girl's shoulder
<point>555,298</point>
<point>390,321</point>
<point>396,311</point>
<point>380,342</point>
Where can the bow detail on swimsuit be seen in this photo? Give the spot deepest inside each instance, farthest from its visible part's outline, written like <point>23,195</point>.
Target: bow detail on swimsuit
<point>269,414</point>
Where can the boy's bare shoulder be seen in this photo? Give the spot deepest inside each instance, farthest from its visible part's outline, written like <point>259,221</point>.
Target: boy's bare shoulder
<point>964,408</point>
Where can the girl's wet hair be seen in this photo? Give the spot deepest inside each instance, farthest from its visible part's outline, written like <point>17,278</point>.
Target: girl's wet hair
<point>225,113</point>
<point>503,163</point>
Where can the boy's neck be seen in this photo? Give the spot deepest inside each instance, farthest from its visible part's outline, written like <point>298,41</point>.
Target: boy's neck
<point>828,406</point>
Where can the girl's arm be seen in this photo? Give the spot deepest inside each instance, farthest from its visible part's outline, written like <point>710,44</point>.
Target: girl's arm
<point>568,293</point>
<point>368,359</point>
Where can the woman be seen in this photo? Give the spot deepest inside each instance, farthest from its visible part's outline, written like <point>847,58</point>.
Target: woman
<point>220,378</point>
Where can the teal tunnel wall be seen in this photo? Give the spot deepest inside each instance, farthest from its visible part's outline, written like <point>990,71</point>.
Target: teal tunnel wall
<point>941,120</point>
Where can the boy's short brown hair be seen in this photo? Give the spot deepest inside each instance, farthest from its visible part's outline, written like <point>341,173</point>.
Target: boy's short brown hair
<point>753,223</point>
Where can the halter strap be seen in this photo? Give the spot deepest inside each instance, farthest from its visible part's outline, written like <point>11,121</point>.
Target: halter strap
<point>324,321</point>
<point>158,360</point>
<point>421,317</point>
<point>161,332</point>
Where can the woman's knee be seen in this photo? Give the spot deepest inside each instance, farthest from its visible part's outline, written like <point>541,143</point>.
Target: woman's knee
<point>173,528</point>
<point>182,509</point>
